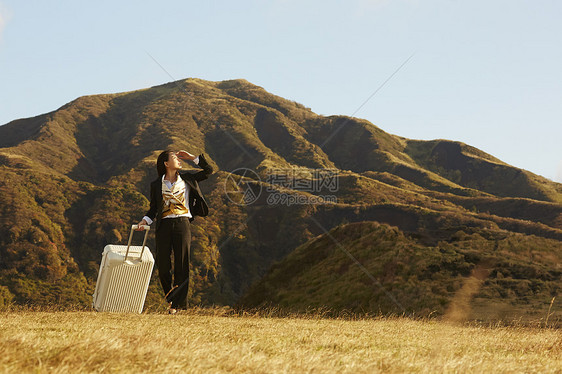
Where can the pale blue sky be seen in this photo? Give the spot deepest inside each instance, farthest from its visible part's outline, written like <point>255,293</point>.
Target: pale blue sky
<point>487,73</point>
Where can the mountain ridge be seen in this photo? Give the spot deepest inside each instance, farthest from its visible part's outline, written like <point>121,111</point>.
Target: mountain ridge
<point>96,154</point>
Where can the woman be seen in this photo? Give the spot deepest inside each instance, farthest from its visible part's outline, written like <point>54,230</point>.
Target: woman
<point>175,199</point>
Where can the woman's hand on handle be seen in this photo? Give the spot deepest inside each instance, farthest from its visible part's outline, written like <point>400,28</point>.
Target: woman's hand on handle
<point>141,224</point>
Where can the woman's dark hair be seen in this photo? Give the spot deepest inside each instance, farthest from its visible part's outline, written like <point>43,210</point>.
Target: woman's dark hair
<point>162,157</point>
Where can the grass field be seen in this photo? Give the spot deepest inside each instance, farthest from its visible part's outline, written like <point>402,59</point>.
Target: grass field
<point>208,340</point>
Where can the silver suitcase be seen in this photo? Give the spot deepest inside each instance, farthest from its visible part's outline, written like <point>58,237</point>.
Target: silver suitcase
<point>123,277</point>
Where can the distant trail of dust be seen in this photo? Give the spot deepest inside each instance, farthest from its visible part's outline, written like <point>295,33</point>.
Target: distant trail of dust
<point>459,309</point>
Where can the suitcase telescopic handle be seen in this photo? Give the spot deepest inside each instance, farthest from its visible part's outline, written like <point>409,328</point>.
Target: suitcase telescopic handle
<point>133,228</point>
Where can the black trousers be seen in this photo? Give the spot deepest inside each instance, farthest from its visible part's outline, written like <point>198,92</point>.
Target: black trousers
<point>174,236</point>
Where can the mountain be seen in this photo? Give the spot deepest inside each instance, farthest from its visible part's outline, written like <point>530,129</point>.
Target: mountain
<point>73,180</point>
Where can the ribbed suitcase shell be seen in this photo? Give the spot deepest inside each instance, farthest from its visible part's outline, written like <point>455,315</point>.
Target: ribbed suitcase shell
<point>122,285</point>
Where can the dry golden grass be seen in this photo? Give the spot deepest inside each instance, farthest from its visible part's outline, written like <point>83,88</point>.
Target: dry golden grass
<point>196,341</point>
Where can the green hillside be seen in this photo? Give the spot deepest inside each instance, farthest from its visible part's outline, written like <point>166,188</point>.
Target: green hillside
<point>73,180</point>
<point>367,266</point>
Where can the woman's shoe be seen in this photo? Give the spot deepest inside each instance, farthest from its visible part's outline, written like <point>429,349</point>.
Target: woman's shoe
<point>172,311</point>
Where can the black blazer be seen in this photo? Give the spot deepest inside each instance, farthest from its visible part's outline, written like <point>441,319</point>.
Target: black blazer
<point>197,204</point>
